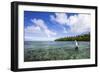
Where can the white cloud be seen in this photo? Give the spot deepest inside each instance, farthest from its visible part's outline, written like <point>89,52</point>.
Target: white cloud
<point>78,23</point>
<point>42,25</point>
<point>65,31</point>
<point>38,30</point>
<point>60,18</point>
<point>32,29</point>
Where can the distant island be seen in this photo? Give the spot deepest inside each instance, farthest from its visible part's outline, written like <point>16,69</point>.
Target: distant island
<point>83,37</point>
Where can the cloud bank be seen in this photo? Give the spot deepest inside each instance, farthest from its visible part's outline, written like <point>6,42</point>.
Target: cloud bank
<point>78,23</point>
<point>38,29</point>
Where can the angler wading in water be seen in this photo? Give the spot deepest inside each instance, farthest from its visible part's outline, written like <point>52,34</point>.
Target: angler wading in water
<point>76,46</point>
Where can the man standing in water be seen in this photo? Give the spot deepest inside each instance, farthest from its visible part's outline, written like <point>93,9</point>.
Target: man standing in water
<point>76,46</point>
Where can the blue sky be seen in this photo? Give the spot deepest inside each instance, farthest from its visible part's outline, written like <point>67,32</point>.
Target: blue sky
<point>47,26</point>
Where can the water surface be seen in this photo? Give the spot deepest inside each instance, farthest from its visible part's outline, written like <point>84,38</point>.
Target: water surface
<point>55,50</point>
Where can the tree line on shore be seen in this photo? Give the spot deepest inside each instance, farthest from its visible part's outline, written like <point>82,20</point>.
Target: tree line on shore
<point>84,37</point>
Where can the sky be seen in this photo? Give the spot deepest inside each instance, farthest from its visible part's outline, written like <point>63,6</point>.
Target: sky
<point>48,26</point>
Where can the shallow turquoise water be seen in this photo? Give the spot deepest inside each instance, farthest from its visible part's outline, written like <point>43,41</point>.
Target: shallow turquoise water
<point>47,44</point>
<point>50,50</point>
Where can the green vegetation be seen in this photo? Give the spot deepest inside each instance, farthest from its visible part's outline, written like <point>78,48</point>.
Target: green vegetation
<point>55,54</point>
<point>85,37</point>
